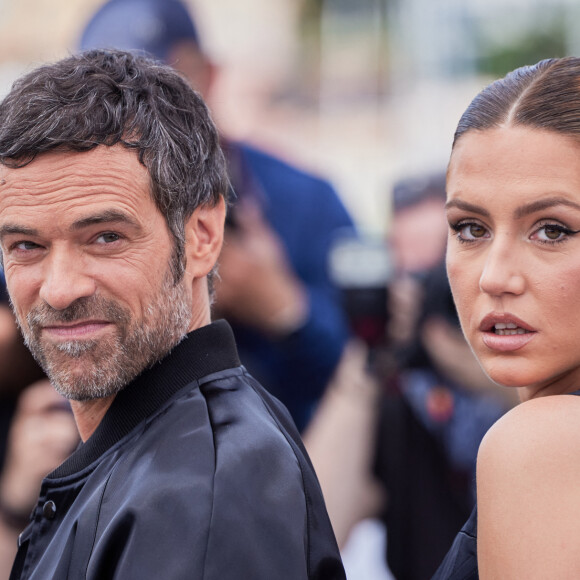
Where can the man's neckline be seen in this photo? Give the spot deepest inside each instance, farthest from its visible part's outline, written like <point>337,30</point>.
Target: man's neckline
<point>202,352</point>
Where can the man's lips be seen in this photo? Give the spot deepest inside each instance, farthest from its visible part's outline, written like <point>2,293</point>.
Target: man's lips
<point>76,329</point>
<point>505,332</point>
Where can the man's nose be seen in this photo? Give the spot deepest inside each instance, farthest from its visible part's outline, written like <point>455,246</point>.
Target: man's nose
<point>503,271</point>
<point>65,279</point>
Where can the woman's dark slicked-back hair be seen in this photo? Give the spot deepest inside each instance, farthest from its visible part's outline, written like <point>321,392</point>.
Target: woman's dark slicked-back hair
<point>111,97</point>
<point>543,96</point>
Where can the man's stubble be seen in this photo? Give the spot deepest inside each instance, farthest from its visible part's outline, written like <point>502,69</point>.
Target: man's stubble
<point>108,363</point>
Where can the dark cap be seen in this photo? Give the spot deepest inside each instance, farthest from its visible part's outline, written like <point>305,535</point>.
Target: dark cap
<point>415,190</point>
<point>149,26</point>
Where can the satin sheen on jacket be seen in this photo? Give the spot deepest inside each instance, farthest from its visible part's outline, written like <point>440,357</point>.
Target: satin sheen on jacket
<point>195,473</point>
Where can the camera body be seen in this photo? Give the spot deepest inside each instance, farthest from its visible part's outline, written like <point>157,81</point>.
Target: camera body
<point>361,267</point>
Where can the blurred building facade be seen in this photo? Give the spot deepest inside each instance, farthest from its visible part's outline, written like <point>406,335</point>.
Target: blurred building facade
<point>363,91</point>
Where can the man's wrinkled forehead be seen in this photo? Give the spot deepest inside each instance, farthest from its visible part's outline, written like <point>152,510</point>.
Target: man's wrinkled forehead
<point>101,174</point>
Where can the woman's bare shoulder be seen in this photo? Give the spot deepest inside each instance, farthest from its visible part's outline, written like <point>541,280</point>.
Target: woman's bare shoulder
<point>528,476</point>
<point>536,439</point>
<point>545,424</point>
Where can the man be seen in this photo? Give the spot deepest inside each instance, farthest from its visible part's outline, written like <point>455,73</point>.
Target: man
<point>275,288</point>
<point>111,221</point>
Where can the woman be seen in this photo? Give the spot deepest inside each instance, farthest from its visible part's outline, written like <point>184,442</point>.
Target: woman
<point>513,260</point>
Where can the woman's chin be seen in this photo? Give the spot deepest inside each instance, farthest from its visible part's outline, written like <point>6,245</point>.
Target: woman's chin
<point>509,377</point>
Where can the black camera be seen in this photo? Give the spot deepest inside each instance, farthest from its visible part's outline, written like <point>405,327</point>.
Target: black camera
<point>361,267</point>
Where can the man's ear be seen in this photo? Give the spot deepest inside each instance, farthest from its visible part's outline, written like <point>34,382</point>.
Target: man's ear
<point>204,235</point>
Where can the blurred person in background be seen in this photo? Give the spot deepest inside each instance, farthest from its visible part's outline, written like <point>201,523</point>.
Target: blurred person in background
<point>439,403</point>
<point>17,367</point>
<point>397,432</point>
<point>418,230</point>
<point>341,441</point>
<point>274,285</point>
<point>42,435</point>
<point>37,432</point>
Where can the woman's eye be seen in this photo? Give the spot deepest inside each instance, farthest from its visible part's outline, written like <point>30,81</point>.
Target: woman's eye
<point>552,233</point>
<point>470,231</point>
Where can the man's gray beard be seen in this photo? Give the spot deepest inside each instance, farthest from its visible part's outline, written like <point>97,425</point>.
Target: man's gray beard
<point>116,360</point>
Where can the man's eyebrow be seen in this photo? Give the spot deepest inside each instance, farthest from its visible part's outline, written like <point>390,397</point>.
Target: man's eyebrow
<point>8,229</point>
<point>466,206</point>
<point>105,217</point>
<point>543,204</point>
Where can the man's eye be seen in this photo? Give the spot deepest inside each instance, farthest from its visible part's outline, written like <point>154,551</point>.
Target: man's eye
<point>26,246</point>
<point>108,238</point>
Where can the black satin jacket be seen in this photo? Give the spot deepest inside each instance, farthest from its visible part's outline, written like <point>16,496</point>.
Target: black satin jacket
<point>195,473</point>
<point>461,560</point>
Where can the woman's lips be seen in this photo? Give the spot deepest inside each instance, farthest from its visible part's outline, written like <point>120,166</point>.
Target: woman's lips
<point>504,332</point>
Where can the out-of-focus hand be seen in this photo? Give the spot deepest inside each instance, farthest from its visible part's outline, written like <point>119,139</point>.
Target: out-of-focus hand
<point>17,367</point>
<point>256,284</point>
<point>404,306</point>
<point>340,440</point>
<point>42,435</point>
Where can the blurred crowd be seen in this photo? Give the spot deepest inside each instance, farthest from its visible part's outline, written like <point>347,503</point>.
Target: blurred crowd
<point>357,337</point>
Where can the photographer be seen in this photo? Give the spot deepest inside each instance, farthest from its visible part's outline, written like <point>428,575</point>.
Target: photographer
<point>274,287</point>
<point>439,404</point>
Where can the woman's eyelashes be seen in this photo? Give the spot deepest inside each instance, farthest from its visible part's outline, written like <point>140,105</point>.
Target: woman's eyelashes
<point>553,233</point>
<point>467,231</point>
<point>544,232</point>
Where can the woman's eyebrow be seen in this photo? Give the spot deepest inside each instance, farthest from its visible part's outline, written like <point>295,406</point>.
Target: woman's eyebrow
<point>466,206</point>
<point>520,212</point>
<point>543,204</point>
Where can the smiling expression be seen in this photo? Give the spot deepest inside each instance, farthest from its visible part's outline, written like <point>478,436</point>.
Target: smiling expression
<point>86,255</point>
<point>513,255</point>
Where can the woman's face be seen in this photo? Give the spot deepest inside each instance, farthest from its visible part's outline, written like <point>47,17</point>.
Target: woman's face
<point>513,255</point>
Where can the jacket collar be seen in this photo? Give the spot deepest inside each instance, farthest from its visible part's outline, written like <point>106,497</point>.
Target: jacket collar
<point>202,352</point>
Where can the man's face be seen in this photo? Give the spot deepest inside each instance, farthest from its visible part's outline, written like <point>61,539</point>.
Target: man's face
<point>86,256</point>
<point>419,236</point>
